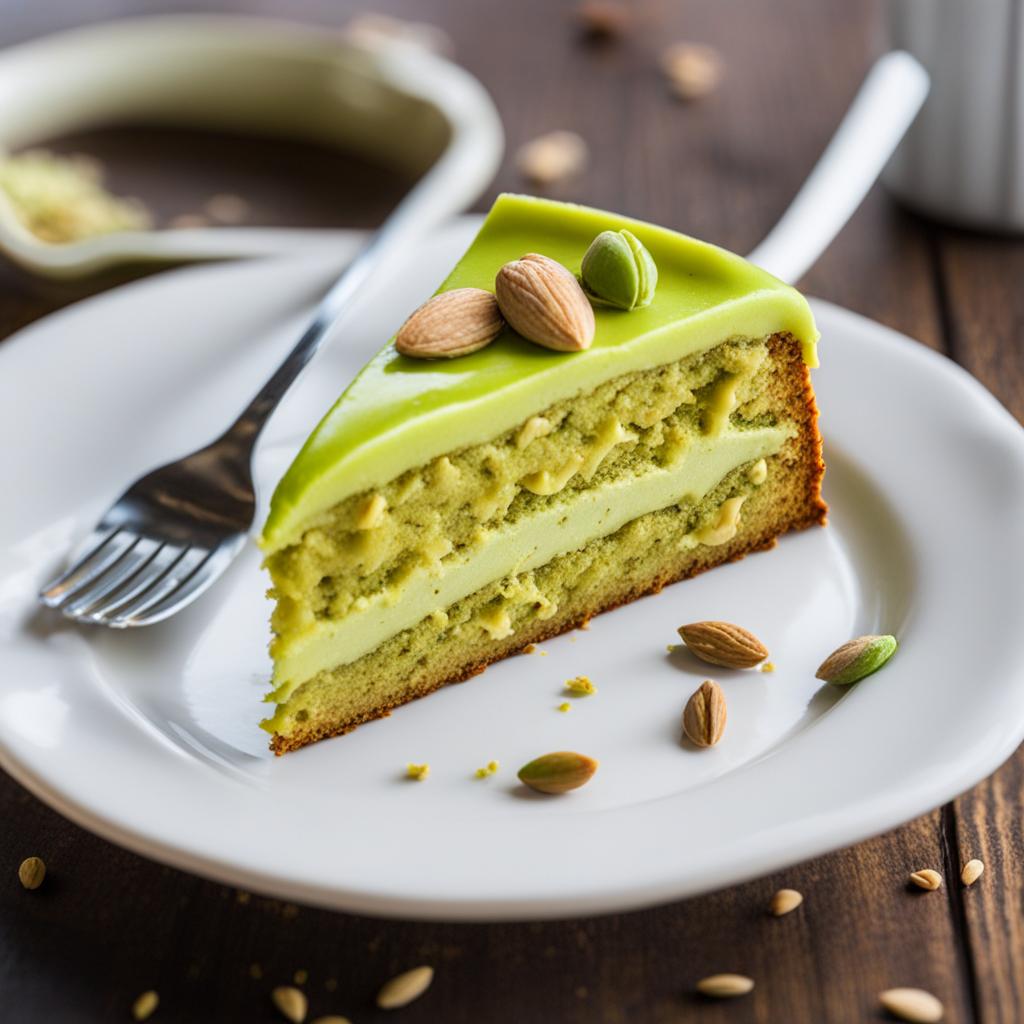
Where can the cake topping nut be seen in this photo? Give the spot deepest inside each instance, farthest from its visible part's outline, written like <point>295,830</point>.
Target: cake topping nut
<point>31,872</point>
<point>705,714</point>
<point>553,157</point>
<point>857,659</point>
<point>693,70</point>
<point>927,878</point>
<point>785,901</point>
<point>972,871</point>
<point>558,772</point>
<point>545,304</point>
<point>722,643</point>
<point>291,1002</point>
<point>617,270</point>
<point>725,986</point>
<point>145,1006</point>
<point>912,1004</point>
<point>453,323</point>
<point>403,989</point>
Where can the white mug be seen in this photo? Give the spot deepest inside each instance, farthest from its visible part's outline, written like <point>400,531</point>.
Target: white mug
<point>963,159</point>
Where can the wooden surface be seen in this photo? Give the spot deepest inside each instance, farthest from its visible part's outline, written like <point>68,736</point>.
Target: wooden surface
<point>107,925</point>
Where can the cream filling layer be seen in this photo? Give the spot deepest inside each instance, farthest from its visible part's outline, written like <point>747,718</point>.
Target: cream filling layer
<point>518,547</point>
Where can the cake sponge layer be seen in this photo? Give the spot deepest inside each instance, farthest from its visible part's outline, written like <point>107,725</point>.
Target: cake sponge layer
<point>383,559</point>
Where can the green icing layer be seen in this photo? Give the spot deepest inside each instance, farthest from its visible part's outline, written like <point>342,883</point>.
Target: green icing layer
<point>400,412</point>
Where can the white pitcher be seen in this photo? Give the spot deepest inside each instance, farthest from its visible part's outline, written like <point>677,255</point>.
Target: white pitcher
<point>963,159</point>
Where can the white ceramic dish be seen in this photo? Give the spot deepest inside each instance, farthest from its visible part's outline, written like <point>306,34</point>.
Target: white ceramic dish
<point>396,102</point>
<point>149,738</point>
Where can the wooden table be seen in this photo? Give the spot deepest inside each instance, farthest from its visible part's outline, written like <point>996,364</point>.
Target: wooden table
<point>107,925</point>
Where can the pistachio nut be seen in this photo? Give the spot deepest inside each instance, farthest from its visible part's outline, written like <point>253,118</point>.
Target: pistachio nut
<point>618,271</point>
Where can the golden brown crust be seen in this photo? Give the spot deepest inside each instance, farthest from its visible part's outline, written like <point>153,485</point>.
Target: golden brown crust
<point>801,464</point>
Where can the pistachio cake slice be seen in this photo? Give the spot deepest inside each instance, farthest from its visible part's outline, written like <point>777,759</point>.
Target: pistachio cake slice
<point>446,513</point>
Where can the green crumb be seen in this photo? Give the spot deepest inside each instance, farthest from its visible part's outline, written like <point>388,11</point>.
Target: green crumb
<point>417,771</point>
<point>62,198</point>
<point>580,686</point>
<point>489,769</point>
<point>565,706</point>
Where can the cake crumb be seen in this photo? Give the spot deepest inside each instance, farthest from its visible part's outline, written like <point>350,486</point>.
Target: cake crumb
<point>580,686</point>
<point>671,647</point>
<point>543,654</point>
<point>371,515</point>
<point>331,984</point>
<point>488,769</point>
<point>301,976</point>
<point>585,624</point>
<point>417,771</point>
<point>255,972</point>
<point>529,648</point>
<point>564,706</point>
<point>767,666</point>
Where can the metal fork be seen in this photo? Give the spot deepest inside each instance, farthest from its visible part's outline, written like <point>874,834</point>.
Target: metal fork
<point>176,530</point>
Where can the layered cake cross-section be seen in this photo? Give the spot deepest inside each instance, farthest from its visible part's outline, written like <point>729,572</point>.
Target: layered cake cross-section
<point>447,513</point>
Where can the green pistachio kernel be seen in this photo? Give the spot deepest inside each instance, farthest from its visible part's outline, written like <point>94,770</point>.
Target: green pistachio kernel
<point>618,271</point>
<point>857,659</point>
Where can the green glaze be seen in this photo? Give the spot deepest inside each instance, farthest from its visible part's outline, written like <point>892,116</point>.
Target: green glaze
<point>400,412</point>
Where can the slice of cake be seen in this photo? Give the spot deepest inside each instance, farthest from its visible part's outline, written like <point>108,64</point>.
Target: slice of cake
<point>448,512</point>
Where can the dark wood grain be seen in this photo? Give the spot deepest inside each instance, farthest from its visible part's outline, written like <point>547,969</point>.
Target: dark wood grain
<point>107,924</point>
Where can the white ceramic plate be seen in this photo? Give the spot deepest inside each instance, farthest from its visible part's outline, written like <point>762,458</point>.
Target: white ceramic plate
<point>149,737</point>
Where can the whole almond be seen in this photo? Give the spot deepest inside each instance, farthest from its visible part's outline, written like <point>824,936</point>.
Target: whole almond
<point>722,643</point>
<point>913,1005</point>
<point>725,986</point>
<point>290,1002</point>
<point>544,303</point>
<point>451,324</point>
<point>784,901</point>
<point>403,989</point>
<point>705,714</point>
<point>972,871</point>
<point>558,772</point>
<point>926,879</point>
